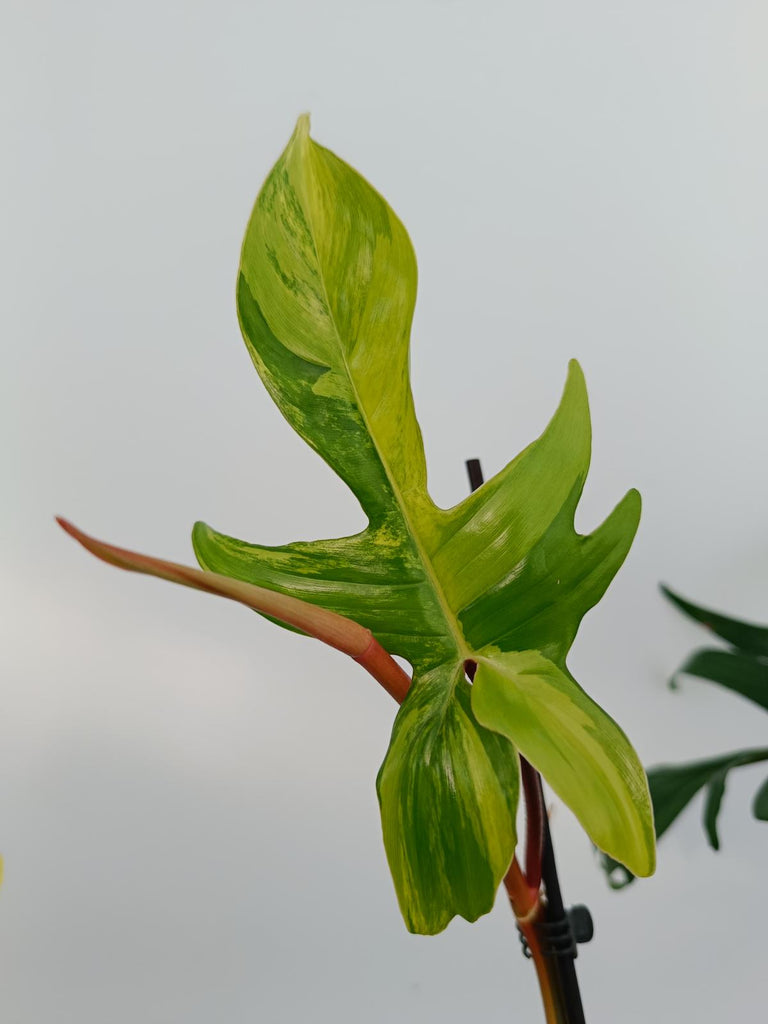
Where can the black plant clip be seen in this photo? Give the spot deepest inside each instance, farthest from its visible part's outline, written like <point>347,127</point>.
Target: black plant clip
<point>560,936</point>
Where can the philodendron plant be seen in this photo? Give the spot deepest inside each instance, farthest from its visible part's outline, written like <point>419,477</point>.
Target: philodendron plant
<point>494,587</point>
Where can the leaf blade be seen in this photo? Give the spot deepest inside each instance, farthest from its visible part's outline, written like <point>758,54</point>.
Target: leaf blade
<point>374,580</point>
<point>450,860</point>
<point>608,791</point>
<point>330,270</point>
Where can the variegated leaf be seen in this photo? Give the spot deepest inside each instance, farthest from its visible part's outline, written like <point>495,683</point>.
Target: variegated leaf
<point>325,297</point>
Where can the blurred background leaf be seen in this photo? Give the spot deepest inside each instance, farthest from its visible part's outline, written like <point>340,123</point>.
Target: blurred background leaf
<point>743,670</point>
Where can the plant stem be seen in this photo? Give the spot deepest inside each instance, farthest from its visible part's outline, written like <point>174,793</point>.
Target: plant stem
<point>536,819</point>
<point>528,910</point>
<point>336,630</point>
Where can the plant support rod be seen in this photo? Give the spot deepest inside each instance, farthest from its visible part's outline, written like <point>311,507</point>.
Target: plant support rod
<point>553,927</point>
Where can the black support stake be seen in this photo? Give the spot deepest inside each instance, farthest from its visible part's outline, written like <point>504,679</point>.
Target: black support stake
<point>554,914</point>
<point>556,927</point>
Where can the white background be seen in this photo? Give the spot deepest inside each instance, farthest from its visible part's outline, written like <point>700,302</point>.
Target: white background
<point>187,806</point>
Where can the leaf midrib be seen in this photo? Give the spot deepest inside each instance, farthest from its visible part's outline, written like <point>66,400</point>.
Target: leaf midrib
<point>463,650</point>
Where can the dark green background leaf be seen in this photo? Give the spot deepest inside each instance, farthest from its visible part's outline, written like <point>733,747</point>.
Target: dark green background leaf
<point>760,805</point>
<point>745,636</point>
<point>740,673</point>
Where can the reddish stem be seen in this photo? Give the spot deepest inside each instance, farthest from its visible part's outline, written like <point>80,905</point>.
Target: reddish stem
<point>385,670</point>
<point>336,630</point>
<point>528,910</point>
<point>534,823</point>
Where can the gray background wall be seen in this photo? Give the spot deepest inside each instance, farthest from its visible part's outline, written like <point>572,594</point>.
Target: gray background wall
<point>187,806</point>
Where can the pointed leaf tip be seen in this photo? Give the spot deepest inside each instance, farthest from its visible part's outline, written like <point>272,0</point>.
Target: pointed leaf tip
<point>575,370</point>
<point>303,124</point>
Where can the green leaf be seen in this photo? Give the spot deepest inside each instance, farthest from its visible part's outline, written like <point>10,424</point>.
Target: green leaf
<point>745,636</point>
<point>443,764</point>
<point>741,673</point>
<point>325,298</point>
<point>591,766</point>
<point>760,805</point>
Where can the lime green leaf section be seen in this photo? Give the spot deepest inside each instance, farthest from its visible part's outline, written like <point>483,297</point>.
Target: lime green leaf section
<point>584,755</point>
<point>325,296</point>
